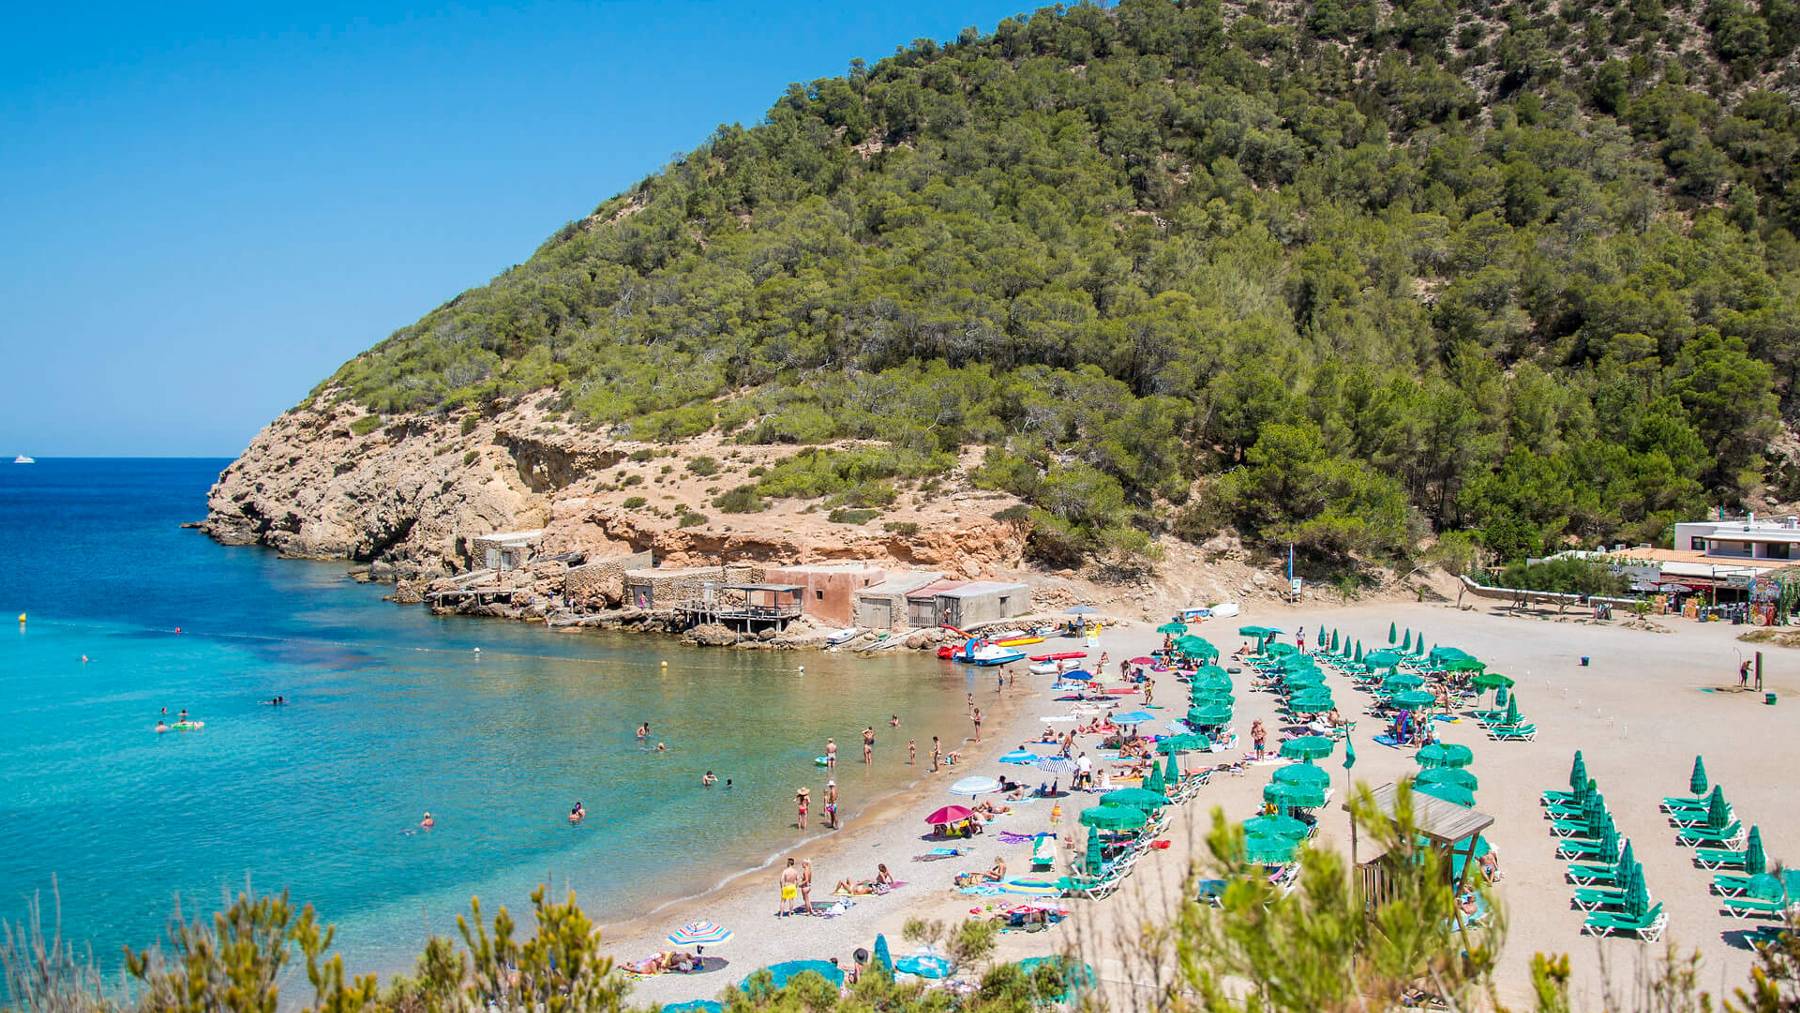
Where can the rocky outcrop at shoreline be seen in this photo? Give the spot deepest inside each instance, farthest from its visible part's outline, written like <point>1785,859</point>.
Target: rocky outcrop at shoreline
<point>407,494</point>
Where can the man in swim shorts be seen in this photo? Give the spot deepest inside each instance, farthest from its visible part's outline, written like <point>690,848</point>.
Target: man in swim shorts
<point>790,889</point>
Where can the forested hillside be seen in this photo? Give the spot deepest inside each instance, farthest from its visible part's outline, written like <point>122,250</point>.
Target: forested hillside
<point>1337,272</point>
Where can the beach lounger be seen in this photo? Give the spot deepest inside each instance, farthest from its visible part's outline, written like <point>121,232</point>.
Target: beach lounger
<point>1731,884</point>
<point>1766,935</point>
<point>1593,898</point>
<point>1733,834</point>
<point>1593,873</point>
<point>1685,818</point>
<point>1512,733</point>
<point>1744,907</point>
<point>1562,810</point>
<point>1684,801</point>
<point>1648,926</point>
<point>1550,796</point>
<point>1718,858</point>
<point>1575,848</point>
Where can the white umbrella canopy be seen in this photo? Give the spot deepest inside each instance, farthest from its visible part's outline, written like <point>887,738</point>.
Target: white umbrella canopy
<point>973,786</point>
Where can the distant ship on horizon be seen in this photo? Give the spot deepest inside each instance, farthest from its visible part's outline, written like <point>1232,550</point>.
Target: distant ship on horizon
<point>22,459</point>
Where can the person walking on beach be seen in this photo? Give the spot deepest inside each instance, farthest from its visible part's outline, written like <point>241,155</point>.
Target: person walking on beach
<point>831,805</point>
<point>978,724</point>
<point>869,744</point>
<point>937,753</point>
<point>1300,639</point>
<point>830,753</point>
<point>1084,771</point>
<point>912,751</point>
<point>800,800</point>
<point>806,886</point>
<point>1744,674</point>
<point>1259,737</point>
<point>790,889</point>
<point>1149,691</point>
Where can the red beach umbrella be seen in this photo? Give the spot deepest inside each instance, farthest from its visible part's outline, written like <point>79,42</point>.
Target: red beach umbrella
<point>948,814</point>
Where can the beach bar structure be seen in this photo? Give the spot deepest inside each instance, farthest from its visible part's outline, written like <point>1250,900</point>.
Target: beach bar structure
<point>883,606</point>
<point>830,588</point>
<point>505,550</point>
<point>1449,827</point>
<point>982,601</point>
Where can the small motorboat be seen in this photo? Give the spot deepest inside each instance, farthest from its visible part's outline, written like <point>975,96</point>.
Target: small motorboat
<point>992,654</point>
<point>842,636</point>
<point>22,459</point>
<point>1045,668</point>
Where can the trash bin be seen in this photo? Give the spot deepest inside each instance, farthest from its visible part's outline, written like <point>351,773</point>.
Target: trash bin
<point>1769,698</point>
<point>1584,661</point>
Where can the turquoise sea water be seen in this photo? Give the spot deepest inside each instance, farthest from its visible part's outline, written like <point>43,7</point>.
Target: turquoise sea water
<point>392,713</point>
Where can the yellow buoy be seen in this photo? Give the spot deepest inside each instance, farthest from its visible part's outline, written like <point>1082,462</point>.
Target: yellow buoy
<point>21,619</point>
<point>665,664</point>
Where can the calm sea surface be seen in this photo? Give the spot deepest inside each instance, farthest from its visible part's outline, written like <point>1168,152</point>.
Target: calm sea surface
<point>393,712</point>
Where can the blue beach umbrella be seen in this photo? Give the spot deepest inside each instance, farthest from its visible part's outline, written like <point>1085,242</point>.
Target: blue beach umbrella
<point>1079,675</point>
<point>788,970</point>
<point>883,959</point>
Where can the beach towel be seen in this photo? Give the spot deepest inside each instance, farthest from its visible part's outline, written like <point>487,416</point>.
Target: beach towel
<point>937,854</point>
<point>1388,740</point>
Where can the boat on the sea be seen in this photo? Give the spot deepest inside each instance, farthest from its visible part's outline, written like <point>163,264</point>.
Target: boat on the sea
<point>22,459</point>
<point>991,654</point>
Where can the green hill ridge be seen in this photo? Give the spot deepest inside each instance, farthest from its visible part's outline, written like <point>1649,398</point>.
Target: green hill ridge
<point>1335,273</point>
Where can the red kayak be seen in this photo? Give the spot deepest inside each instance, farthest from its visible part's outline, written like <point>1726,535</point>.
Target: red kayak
<point>1064,656</point>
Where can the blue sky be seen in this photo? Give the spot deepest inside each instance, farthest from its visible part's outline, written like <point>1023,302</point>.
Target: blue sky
<point>204,209</point>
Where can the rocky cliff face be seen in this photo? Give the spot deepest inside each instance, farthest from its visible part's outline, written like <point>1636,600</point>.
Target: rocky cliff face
<point>408,493</point>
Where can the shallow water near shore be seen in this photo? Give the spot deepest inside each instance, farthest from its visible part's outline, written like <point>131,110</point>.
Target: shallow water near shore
<point>392,712</point>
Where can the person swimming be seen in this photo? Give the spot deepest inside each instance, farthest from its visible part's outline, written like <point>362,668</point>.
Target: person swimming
<point>161,726</point>
<point>662,747</point>
<point>708,780</point>
<point>427,823</point>
<point>577,814</point>
<point>643,731</point>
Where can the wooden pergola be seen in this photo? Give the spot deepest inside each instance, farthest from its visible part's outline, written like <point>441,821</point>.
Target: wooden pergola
<point>1446,825</point>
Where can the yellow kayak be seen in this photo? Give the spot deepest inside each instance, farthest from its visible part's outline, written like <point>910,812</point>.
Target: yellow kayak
<point>1018,641</point>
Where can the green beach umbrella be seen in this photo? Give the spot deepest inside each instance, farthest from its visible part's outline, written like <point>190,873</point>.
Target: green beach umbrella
<point>1381,659</point>
<point>1448,792</point>
<point>1208,716</point>
<point>1303,680</point>
<point>1293,795</point>
<point>1349,752</point>
<point>1444,754</point>
<point>1717,813</point>
<point>1182,744</point>
<point>1512,709</point>
<point>1306,747</point>
<point>1755,860</point>
<point>1334,642</point>
<point>1112,817</point>
<point>1276,826</point>
<point>1402,681</point>
<point>1500,695</point>
<point>1406,643</point>
<point>1153,783</point>
<point>1258,632</point>
<point>1135,798</point>
<point>1448,775</point>
<point>1304,775</point>
<point>1095,860</point>
<point>1413,699</point>
<point>1269,849</point>
<point>1490,680</point>
<point>1697,780</point>
<point>1627,860</point>
<point>1211,677</point>
<point>1211,698</point>
<point>1359,653</point>
<point>1637,895</point>
<point>1172,627</point>
<point>1311,701</point>
<point>1463,665</point>
<point>1578,775</point>
<point>1172,776</point>
<point>1392,633</point>
<point>1281,650</point>
<point>1763,886</point>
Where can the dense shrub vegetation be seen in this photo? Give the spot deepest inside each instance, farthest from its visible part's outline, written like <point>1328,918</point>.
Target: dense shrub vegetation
<point>1328,272</point>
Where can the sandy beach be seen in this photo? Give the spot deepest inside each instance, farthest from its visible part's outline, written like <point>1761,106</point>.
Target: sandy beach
<point>1640,710</point>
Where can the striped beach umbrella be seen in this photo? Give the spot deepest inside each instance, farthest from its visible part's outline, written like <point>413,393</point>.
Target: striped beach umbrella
<point>700,933</point>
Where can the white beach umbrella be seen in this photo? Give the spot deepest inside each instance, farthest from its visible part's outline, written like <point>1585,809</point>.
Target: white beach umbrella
<point>973,786</point>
